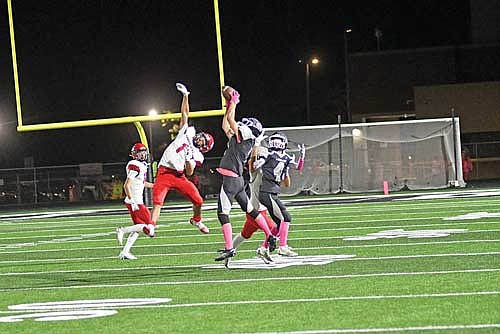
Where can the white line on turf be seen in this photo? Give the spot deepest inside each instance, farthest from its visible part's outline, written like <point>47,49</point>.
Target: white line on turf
<point>24,273</point>
<point>387,329</point>
<point>55,241</point>
<point>75,249</point>
<point>468,223</point>
<point>311,300</point>
<point>306,209</point>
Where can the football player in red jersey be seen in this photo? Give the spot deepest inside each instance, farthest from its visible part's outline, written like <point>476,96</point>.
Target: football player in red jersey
<point>179,160</point>
<point>134,185</point>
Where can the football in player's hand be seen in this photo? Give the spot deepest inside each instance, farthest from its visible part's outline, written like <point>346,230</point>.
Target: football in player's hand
<point>227,92</point>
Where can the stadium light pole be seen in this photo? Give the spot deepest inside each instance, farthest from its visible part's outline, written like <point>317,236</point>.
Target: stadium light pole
<point>347,74</point>
<point>313,61</point>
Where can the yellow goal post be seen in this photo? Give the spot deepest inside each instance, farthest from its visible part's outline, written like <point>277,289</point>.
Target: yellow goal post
<point>117,120</point>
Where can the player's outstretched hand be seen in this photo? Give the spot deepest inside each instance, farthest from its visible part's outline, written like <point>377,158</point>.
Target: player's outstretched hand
<point>182,88</point>
<point>235,97</point>
<point>302,150</point>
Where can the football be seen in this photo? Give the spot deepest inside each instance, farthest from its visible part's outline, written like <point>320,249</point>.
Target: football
<point>227,91</point>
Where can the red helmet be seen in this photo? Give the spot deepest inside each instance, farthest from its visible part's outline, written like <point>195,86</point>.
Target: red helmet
<point>139,152</point>
<point>203,141</point>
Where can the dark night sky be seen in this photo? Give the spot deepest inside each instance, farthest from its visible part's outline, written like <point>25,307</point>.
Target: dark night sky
<point>99,59</point>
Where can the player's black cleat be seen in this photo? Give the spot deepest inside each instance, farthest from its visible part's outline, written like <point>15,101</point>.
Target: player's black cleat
<point>271,241</point>
<point>225,254</point>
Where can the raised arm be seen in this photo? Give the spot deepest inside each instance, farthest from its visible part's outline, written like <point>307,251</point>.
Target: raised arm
<point>229,124</point>
<point>184,105</point>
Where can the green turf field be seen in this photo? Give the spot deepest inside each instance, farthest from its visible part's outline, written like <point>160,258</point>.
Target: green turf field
<point>424,265</point>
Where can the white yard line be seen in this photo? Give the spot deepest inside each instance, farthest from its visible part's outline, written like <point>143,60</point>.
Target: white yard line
<point>86,237</point>
<point>289,301</point>
<point>256,240</point>
<point>388,329</point>
<point>448,223</point>
<point>311,209</point>
<point>379,258</point>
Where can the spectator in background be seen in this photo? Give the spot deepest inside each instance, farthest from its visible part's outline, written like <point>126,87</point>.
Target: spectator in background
<point>466,164</point>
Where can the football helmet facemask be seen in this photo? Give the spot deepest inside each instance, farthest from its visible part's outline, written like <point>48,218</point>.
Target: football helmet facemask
<point>139,152</point>
<point>203,141</point>
<point>278,141</point>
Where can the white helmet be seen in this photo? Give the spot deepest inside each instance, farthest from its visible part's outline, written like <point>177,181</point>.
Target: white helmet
<point>253,124</point>
<point>278,141</point>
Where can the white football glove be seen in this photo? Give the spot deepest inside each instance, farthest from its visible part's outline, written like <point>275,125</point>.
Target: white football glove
<point>302,150</point>
<point>259,139</point>
<point>132,203</point>
<point>182,88</point>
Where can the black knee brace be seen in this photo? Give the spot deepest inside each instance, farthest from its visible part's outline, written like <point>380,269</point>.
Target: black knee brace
<point>223,218</point>
<point>254,213</point>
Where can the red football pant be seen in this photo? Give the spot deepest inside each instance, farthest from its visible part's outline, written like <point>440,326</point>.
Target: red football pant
<point>141,216</point>
<point>166,181</point>
<point>251,226</point>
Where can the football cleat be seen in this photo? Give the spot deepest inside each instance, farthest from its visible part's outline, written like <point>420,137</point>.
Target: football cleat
<point>226,254</point>
<point>119,235</point>
<point>127,256</point>
<point>263,253</point>
<point>203,229</point>
<point>287,251</point>
<point>149,230</point>
<point>271,241</point>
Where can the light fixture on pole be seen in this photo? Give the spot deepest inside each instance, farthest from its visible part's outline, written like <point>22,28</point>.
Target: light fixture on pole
<point>347,74</point>
<point>313,61</point>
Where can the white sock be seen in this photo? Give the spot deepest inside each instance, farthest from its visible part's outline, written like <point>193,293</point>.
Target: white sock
<point>238,240</point>
<point>133,228</point>
<point>130,241</point>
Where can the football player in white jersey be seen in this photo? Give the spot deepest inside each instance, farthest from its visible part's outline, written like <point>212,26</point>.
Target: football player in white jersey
<point>134,185</point>
<point>179,159</point>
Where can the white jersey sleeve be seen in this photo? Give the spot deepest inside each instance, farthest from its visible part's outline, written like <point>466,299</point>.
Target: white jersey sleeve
<point>136,172</point>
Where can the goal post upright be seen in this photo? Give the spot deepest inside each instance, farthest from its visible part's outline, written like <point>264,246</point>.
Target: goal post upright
<point>14,65</point>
